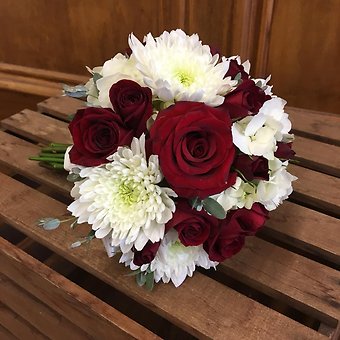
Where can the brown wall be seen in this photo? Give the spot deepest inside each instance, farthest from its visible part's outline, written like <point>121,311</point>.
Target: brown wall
<point>297,41</point>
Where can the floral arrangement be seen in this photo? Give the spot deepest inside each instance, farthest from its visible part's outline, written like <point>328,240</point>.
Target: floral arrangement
<point>178,157</point>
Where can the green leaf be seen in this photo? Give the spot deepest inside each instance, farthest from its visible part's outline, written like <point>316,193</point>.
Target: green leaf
<point>49,223</point>
<point>194,202</point>
<point>73,177</point>
<point>214,208</point>
<point>141,279</point>
<point>149,284</point>
<point>77,91</point>
<point>238,76</point>
<point>74,224</point>
<point>96,77</point>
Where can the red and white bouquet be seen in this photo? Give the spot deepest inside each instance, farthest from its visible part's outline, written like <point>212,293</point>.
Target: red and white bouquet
<point>178,157</point>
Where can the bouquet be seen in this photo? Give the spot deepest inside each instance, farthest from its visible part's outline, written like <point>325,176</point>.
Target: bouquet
<point>177,158</point>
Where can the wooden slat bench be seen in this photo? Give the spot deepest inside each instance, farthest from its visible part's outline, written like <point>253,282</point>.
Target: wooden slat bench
<point>285,283</point>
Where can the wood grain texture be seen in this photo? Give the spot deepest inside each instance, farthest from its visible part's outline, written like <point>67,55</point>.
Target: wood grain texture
<point>316,189</point>
<point>37,127</point>
<point>14,152</point>
<point>307,229</point>
<point>75,304</point>
<point>288,274</point>
<point>304,48</point>
<point>247,319</point>
<point>316,125</point>
<point>17,325</point>
<point>37,313</point>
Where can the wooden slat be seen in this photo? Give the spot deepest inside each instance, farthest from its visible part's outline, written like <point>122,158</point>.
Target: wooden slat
<point>316,189</point>
<point>317,155</point>
<point>33,72</point>
<point>37,313</point>
<point>29,85</point>
<point>37,127</point>
<point>61,107</point>
<point>307,285</point>
<point>6,334</point>
<point>14,153</point>
<point>318,125</point>
<point>73,303</point>
<point>246,319</point>
<point>17,325</point>
<point>306,229</point>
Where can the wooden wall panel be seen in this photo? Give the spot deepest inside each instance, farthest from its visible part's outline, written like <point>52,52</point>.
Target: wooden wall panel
<point>303,54</point>
<point>65,35</point>
<point>297,41</point>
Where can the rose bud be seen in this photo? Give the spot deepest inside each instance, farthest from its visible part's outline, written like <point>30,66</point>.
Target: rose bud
<point>133,103</point>
<point>253,167</point>
<point>193,226</point>
<point>147,254</point>
<point>284,151</point>
<point>96,134</point>
<point>245,100</point>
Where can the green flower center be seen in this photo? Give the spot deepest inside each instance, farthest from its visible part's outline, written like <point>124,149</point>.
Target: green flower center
<point>128,193</point>
<point>185,77</point>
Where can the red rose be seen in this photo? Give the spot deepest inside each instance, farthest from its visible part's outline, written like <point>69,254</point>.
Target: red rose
<point>246,99</point>
<point>252,167</point>
<point>147,254</point>
<point>250,221</point>
<point>193,226</point>
<point>284,151</point>
<point>96,134</point>
<point>235,68</point>
<point>195,148</point>
<point>133,103</point>
<point>225,240</point>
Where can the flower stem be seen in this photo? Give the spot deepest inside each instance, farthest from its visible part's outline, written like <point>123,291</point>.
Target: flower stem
<point>47,159</point>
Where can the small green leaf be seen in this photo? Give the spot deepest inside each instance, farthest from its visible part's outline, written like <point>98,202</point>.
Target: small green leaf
<point>77,91</point>
<point>73,177</point>
<point>238,76</point>
<point>74,224</point>
<point>96,77</point>
<point>141,279</point>
<point>135,272</point>
<point>149,284</point>
<point>259,83</point>
<point>214,208</point>
<point>76,244</point>
<point>49,223</point>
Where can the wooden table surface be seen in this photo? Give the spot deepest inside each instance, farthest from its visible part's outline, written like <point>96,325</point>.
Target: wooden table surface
<point>284,284</point>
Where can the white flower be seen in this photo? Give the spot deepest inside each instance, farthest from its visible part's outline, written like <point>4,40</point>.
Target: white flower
<point>271,193</point>
<point>240,195</point>
<point>178,67</point>
<point>263,84</point>
<point>113,70</point>
<point>173,261</point>
<point>257,135</point>
<point>258,141</point>
<point>92,91</point>
<point>122,198</point>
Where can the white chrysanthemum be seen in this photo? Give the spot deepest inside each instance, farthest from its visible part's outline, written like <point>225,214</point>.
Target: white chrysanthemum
<point>173,261</point>
<point>122,198</point>
<point>257,135</point>
<point>240,195</point>
<point>271,193</point>
<point>113,70</point>
<point>237,58</point>
<point>263,84</point>
<point>178,67</point>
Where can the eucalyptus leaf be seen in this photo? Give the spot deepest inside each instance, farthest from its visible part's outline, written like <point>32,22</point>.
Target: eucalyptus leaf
<point>77,91</point>
<point>73,177</point>
<point>259,83</point>
<point>76,244</point>
<point>149,284</point>
<point>49,223</point>
<point>96,77</point>
<point>214,208</point>
<point>238,76</point>
<point>141,279</point>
